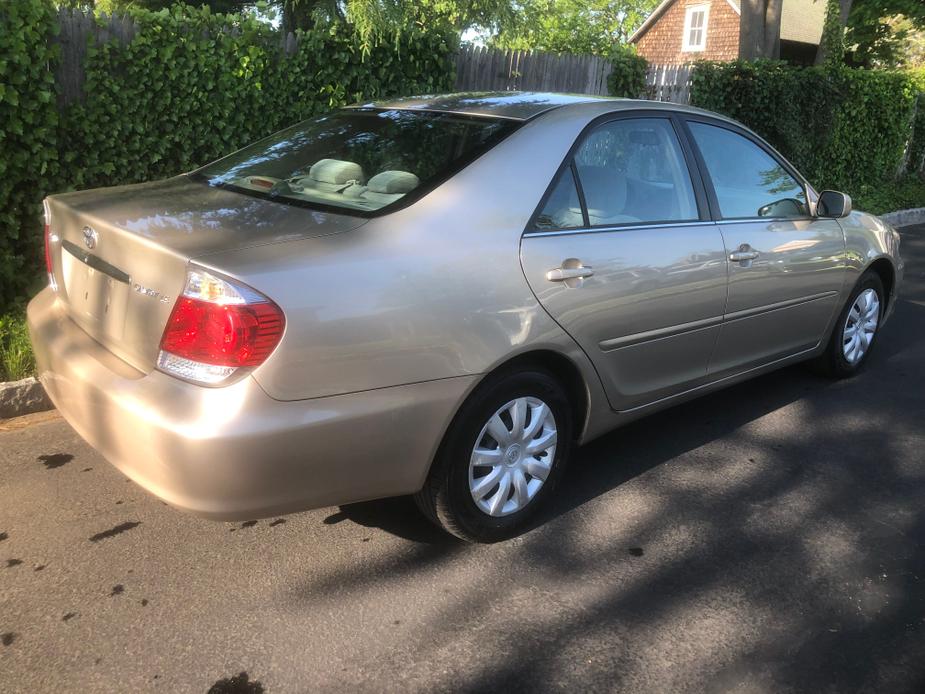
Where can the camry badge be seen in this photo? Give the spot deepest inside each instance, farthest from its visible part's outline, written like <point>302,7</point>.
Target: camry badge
<point>153,293</point>
<point>91,237</point>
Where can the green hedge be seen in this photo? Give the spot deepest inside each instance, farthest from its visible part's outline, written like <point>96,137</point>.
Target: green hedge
<point>917,145</point>
<point>628,74</point>
<point>28,138</point>
<point>190,87</point>
<point>842,128</point>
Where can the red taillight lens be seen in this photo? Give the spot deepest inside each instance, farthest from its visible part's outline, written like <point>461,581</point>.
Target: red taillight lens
<point>222,335</point>
<point>48,265</point>
<point>216,327</point>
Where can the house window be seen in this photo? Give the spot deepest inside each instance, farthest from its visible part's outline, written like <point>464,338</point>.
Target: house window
<point>695,28</point>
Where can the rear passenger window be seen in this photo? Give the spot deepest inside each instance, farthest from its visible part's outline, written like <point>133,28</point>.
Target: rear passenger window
<point>563,208</point>
<point>633,171</point>
<point>748,181</point>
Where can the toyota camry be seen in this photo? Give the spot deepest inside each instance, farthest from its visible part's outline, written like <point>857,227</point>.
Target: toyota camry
<point>441,297</point>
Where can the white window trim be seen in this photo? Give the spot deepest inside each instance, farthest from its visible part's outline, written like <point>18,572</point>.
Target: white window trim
<point>686,46</point>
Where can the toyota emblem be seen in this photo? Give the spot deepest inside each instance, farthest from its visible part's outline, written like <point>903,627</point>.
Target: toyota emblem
<point>91,238</point>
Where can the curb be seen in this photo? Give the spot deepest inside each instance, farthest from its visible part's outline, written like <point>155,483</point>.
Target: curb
<point>902,218</point>
<point>22,397</point>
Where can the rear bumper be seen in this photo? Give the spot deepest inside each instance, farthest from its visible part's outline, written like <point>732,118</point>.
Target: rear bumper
<point>235,453</point>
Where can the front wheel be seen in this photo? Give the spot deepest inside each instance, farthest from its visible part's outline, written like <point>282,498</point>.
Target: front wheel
<point>856,329</point>
<point>501,458</point>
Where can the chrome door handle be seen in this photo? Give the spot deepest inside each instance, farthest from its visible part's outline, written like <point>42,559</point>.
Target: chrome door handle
<point>561,274</point>
<point>739,256</point>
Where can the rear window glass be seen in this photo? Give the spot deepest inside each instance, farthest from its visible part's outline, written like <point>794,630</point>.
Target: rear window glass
<point>361,160</point>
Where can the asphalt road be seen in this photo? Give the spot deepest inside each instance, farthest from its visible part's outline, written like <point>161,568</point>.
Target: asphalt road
<point>769,538</point>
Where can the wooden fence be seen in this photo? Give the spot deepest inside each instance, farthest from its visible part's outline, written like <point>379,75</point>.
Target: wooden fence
<point>485,69</point>
<point>669,83</point>
<point>76,28</point>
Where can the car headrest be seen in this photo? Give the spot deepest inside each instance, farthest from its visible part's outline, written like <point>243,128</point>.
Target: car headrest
<point>336,171</point>
<point>644,137</point>
<point>604,188</point>
<point>393,182</point>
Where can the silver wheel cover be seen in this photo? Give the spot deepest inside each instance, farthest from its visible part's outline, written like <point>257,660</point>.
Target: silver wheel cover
<point>860,326</point>
<point>512,457</point>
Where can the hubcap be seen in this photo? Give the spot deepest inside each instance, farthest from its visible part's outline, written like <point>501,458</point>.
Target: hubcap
<point>513,456</point>
<point>860,326</point>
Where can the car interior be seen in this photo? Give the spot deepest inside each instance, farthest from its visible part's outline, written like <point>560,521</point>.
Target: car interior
<point>630,171</point>
<point>337,181</point>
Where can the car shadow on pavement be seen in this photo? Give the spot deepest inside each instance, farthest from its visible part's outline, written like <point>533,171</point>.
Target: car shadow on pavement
<point>398,516</point>
<point>615,458</point>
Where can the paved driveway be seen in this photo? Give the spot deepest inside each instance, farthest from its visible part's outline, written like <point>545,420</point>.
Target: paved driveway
<point>768,538</point>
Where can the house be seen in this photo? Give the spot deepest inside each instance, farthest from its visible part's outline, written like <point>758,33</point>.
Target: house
<point>682,31</point>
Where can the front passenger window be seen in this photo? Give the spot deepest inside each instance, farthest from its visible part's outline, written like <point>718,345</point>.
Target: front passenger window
<point>748,181</point>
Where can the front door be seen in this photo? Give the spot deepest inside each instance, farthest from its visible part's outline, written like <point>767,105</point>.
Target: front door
<point>786,267</point>
<point>621,257</point>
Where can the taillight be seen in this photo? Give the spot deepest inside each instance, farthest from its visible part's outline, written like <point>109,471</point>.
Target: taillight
<point>49,265</point>
<point>217,327</point>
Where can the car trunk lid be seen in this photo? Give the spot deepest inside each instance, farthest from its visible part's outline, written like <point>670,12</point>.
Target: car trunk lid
<point>120,255</point>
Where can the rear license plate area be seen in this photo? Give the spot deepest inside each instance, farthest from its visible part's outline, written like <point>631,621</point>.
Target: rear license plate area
<point>97,293</point>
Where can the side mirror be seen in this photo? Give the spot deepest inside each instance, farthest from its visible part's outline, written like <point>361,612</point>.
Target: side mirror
<point>833,204</point>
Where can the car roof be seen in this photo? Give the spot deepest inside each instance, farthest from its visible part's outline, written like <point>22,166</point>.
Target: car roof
<point>520,105</point>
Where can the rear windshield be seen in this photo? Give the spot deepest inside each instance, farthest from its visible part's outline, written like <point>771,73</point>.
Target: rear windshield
<point>364,161</point>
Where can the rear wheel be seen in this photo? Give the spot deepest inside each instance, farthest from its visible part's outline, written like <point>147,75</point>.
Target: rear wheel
<point>501,458</point>
<point>856,329</point>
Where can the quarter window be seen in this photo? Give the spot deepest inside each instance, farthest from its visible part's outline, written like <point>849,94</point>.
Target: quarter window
<point>633,171</point>
<point>563,208</point>
<point>748,181</point>
<point>695,28</point>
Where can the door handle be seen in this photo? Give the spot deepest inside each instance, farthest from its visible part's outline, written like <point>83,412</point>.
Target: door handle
<point>561,274</point>
<point>741,256</point>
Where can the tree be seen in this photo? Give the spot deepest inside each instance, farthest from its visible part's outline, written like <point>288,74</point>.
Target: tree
<point>304,14</point>
<point>759,29</point>
<point>382,17</point>
<point>831,51</point>
<point>571,26</point>
<point>879,31</point>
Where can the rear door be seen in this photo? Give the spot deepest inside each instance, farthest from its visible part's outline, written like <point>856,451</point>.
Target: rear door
<point>786,267</point>
<point>624,257</point>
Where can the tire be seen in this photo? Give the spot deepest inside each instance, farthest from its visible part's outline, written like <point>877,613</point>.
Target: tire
<point>838,360</point>
<point>448,497</point>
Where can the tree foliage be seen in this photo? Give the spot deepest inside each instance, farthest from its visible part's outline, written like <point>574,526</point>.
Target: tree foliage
<point>571,26</point>
<point>879,31</point>
<point>832,44</point>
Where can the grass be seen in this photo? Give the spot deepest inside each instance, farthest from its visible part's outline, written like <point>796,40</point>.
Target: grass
<point>16,359</point>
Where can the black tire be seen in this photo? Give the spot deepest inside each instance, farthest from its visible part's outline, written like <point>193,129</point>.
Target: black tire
<point>446,498</point>
<point>832,362</point>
